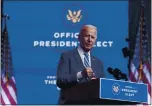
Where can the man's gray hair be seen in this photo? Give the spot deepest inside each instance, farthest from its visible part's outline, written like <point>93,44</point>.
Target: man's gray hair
<point>89,26</point>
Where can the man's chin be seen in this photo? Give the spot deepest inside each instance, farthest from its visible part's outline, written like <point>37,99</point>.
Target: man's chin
<point>88,48</point>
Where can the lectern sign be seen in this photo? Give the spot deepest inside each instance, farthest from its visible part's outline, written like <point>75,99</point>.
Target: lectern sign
<point>123,90</point>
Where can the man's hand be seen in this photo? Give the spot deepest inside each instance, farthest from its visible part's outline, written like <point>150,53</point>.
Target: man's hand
<point>89,71</point>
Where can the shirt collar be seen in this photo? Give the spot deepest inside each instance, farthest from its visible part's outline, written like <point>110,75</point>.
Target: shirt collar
<point>81,51</point>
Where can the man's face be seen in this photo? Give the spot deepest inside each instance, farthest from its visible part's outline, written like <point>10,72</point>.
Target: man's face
<point>87,38</point>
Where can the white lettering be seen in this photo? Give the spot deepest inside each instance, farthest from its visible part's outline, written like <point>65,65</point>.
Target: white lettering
<point>110,43</point>
<point>36,43</point>
<point>62,35</point>
<point>68,35</point>
<point>50,81</point>
<point>104,44</point>
<point>74,44</point>
<point>48,77</point>
<point>68,43</point>
<point>62,43</point>
<point>76,35</point>
<point>56,35</point>
<point>53,43</point>
<point>42,43</point>
<point>47,43</point>
<point>126,94</point>
<point>54,81</point>
<point>46,81</point>
<point>99,44</point>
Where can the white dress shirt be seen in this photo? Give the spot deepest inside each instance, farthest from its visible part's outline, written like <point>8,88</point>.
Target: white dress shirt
<point>81,53</point>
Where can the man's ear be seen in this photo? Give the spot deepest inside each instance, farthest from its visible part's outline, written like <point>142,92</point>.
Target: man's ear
<point>79,37</point>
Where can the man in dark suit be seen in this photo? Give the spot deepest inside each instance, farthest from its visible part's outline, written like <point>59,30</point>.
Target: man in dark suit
<point>78,65</point>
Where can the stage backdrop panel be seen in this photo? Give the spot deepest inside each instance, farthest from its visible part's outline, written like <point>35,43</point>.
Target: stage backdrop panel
<point>39,31</point>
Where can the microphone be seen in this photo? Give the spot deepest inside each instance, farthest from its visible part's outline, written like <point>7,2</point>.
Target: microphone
<point>110,70</point>
<point>124,76</point>
<point>114,72</point>
<point>5,16</point>
<point>117,74</point>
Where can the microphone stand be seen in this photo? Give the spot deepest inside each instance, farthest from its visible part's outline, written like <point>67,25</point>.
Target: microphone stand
<point>117,74</point>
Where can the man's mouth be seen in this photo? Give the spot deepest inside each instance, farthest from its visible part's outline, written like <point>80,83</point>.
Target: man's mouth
<point>88,44</point>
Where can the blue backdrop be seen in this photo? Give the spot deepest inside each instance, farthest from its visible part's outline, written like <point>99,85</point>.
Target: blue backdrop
<point>36,27</point>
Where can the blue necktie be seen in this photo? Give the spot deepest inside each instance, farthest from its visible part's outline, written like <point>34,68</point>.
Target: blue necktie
<point>86,60</point>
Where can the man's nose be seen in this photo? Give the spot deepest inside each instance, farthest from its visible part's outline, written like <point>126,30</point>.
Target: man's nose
<point>90,39</point>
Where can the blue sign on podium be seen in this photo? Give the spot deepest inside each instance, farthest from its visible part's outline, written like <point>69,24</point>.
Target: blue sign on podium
<point>123,90</point>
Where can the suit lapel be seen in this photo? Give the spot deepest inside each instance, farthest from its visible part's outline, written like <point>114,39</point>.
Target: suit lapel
<point>78,59</point>
<point>80,63</point>
<point>93,64</point>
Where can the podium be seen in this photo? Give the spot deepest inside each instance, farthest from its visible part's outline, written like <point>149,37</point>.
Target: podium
<point>89,94</point>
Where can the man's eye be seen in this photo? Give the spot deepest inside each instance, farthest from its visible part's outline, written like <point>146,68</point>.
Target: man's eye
<point>93,37</point>
<point>86,35</point>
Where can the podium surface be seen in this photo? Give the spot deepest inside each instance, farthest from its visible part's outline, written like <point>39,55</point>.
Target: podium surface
<point>90,93</point>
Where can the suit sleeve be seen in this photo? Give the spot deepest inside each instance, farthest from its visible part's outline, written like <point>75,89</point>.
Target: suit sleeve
<point>102,74</point>
<point>65,76</point>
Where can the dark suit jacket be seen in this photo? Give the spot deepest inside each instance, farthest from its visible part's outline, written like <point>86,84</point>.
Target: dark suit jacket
<point>69,65</point>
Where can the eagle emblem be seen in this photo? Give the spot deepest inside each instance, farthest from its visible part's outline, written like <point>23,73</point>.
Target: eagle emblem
<point>75,16</point>
<point>115,88</point>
